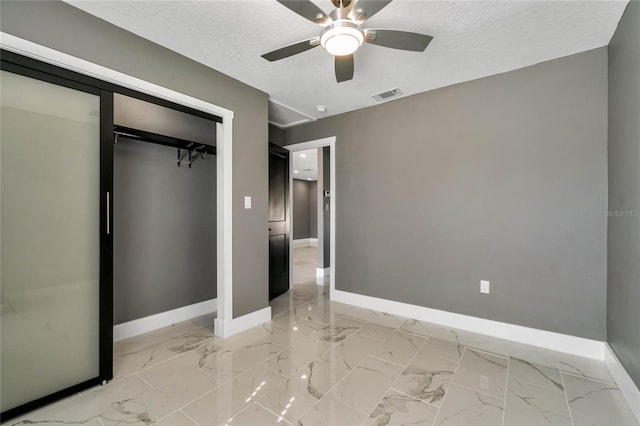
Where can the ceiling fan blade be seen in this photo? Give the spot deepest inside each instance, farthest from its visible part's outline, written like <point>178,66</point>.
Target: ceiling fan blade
<point>344,68</point>
<point>394,39</point>
<point>306,9</point>
<point>365,9</point>
<point>291,50</point>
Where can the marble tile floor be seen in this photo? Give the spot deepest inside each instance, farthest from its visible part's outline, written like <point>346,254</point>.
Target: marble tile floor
<point>324,363</point>
<point>304,265</point>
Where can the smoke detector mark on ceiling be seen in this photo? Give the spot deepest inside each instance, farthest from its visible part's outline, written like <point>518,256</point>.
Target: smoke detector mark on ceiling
<point>383,96</point>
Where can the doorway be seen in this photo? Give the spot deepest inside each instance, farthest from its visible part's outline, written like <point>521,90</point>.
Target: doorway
<point>164,210</point>
<point>313,253</point>
<point>307,183</point>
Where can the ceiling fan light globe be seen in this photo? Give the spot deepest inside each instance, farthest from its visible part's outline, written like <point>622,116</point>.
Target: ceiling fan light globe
<point>341,38</point>
<point>341,44</point>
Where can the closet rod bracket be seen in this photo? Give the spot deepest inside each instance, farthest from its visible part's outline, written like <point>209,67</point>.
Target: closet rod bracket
<point>193,154</point>
<point>184,154</point>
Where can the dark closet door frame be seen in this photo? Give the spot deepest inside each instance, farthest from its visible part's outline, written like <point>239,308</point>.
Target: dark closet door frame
<point>28,67</point>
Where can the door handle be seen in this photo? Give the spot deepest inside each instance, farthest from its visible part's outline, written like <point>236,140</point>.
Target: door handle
<point>108,214</point>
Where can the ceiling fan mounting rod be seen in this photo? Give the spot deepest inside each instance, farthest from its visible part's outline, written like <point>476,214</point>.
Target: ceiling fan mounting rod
<point>340,14</point>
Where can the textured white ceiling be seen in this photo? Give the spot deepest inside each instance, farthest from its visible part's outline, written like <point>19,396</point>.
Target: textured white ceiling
<point>307,166</point>
<point>283,116</point>
<point>472,39</point>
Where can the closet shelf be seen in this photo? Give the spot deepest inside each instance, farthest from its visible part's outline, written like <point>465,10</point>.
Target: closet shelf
<point>141,135</point>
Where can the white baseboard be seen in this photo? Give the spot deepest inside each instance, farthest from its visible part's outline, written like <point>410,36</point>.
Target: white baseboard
<point>623,380</point>
<point>531,336</point>
<point>305,242</point>
<point>322,274</point>
<point>238,325</point>
<point>163,319</point>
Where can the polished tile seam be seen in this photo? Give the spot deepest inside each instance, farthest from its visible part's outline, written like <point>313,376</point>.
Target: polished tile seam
<point>566,398</point>
<point>180,410</point>
<point>397,378</point>
<point>506,389</point>
<point>320,357</point>
<point>328,390</point>
<point>584,377</point>
<point>437,416</point>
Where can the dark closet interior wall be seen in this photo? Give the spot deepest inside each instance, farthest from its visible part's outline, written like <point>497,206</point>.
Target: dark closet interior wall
<point>623,284</point>
<point>164,215</point>
<point>305,222</point>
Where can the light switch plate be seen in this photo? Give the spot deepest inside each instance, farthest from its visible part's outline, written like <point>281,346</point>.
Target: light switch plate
<point>247,202</point>
<point>484,286</point>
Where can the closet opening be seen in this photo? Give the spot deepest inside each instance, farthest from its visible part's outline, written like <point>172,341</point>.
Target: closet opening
<point>164,216</point>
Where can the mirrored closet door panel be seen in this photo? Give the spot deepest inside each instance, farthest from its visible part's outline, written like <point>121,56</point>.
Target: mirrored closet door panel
<point>50,230</point>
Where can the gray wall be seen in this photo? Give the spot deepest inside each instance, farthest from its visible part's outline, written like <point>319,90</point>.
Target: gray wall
<point>502,178</point>
<point>324,180</point>
<point>62,27</point>
<point>313,209</point>
<point>623,295</point>
<point>301,214</point>
<point>164,220</point>
<point>276,135</point>
<point>326,201</point>
<point>305,223</point>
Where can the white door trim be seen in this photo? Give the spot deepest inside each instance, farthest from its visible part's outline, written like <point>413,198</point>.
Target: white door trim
<point>224,157</point>
<point>318,143</point>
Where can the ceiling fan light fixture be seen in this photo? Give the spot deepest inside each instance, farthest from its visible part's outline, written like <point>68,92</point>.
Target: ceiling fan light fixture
<point>341,38</point>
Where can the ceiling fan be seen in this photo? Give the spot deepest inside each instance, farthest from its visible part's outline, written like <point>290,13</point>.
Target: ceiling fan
<point>342,33</point>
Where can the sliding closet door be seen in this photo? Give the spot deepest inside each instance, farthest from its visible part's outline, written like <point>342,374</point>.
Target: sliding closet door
<point>50,230</point>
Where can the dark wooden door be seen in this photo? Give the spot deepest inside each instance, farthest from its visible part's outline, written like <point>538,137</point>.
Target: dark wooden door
<point>278,220</point>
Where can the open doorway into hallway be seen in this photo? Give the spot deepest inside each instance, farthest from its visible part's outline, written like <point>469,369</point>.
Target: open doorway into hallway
<point>311,258</point>
<point>308,221</point>
<point>312,206</point>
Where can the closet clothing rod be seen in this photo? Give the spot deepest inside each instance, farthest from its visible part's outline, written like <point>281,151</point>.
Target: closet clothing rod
<point>144,136</point>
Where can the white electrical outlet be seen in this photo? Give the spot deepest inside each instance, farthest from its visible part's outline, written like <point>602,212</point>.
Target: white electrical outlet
<point>484,286</point>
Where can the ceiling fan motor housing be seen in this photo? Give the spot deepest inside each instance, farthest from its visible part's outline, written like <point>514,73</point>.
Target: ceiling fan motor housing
<point>342,37</point>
